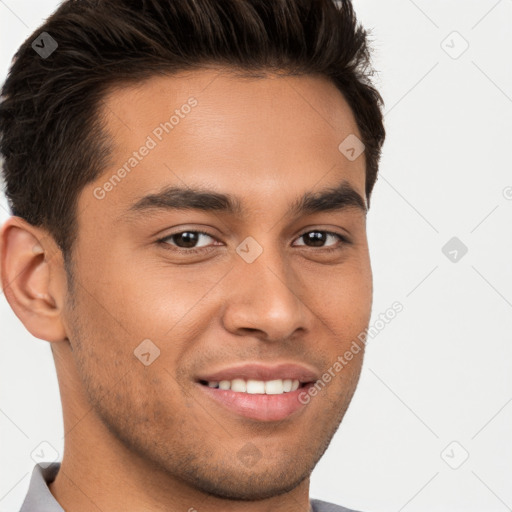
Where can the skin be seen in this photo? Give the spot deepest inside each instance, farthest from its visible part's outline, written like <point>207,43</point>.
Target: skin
<point>145,437</point>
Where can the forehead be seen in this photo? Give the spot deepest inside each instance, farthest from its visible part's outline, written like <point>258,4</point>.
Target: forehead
<point>253,137</point>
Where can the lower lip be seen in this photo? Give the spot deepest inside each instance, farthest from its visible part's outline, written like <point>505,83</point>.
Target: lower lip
<point>258,406</point>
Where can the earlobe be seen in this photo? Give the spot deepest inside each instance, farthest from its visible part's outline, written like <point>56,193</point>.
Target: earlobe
<point>27,267</point>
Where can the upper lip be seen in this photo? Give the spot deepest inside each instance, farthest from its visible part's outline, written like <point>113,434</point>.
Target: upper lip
<point>260,371</point>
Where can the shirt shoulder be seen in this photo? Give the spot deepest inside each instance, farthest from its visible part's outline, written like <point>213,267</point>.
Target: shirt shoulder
<point>324,506</point>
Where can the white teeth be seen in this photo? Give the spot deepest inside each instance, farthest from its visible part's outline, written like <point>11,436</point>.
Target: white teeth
<point>274,387</point>
<point>239,385</point>
<point>287,385</point>
<point>253,387</point>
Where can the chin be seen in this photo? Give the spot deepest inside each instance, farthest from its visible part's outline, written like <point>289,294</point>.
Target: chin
<point>249,487</point>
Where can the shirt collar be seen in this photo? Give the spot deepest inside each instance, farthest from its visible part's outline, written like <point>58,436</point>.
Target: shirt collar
<point>38,497</point>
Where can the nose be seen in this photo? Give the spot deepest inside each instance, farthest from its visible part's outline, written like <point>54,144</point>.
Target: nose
<point>267,298</point>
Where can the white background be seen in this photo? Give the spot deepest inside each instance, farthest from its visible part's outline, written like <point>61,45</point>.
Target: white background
<point>441,370</point>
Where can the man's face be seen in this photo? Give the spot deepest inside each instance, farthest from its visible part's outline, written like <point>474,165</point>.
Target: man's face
<point>252,291</point>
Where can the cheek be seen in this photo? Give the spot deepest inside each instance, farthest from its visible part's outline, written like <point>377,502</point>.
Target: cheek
<point>342,295</point>
<point>136,300</point>
<point>111,368</point>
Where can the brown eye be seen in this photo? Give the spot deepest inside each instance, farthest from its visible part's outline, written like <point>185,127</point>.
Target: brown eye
<point>317,238</point>
<point>186,241</point>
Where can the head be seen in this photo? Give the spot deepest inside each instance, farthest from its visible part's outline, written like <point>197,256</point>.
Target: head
<point>180,186</point>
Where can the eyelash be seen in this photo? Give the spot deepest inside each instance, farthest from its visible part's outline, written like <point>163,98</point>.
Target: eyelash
<point>195,250</point>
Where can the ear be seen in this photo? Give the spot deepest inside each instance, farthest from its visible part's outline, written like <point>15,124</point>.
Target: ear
<point>33,278</point>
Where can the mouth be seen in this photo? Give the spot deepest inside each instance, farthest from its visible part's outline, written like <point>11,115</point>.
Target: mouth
<point>259,392</point>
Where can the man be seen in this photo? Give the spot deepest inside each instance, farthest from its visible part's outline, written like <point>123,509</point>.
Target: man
<point>189,182</point>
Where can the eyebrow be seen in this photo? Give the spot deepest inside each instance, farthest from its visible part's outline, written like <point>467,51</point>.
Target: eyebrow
<point>336,198</point>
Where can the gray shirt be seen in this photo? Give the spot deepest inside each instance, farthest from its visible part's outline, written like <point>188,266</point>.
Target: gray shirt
<point>40,499</point>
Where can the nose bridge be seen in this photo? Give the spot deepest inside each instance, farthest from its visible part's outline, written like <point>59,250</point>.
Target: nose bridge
<point>263,291</point>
